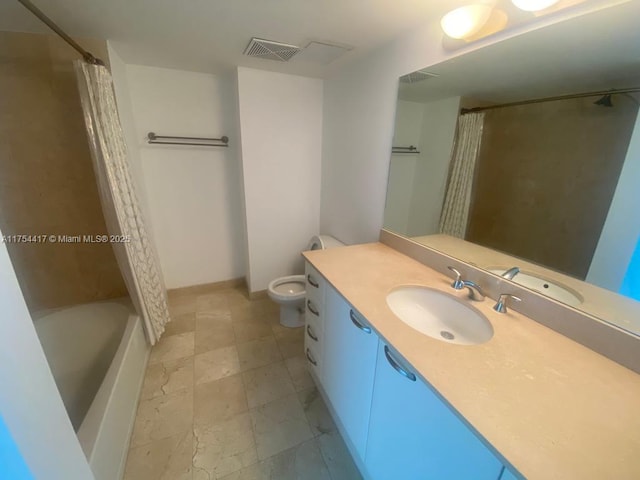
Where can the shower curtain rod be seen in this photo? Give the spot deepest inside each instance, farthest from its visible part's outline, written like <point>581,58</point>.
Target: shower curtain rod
<point>88,57</point>
<point>464,111</point>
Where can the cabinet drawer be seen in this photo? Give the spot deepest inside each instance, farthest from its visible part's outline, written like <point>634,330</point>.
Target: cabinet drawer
<point>315,285</point>
<point>313,352</point>
<point>313,314</point>
<point>313,333</point>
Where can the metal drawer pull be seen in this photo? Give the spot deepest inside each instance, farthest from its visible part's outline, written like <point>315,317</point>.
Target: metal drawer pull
<point>312,282</point>
<point>310,333</point>
<point>357,323</point>
<point>394,363</point>
<point>312,309</point>
<point>310,358</point>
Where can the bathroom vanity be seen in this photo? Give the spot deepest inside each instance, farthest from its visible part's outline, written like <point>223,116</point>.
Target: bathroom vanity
<point>527,403</point>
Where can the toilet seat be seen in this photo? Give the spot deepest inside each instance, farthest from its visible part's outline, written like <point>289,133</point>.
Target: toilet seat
<point>280,290</point>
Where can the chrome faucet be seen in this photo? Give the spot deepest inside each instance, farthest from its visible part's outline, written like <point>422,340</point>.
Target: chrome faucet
<point>512,272</point>
<point>501,305</point>
<point>475,292</point>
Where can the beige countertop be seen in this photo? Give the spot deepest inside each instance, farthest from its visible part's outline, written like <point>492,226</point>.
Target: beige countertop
<point>552,407</point>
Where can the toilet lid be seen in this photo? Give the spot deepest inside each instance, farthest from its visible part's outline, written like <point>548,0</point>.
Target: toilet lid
<point>289,288</point>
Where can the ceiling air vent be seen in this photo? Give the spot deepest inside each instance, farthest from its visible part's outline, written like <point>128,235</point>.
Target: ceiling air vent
<point>417,76</point>
<point>270,50</point>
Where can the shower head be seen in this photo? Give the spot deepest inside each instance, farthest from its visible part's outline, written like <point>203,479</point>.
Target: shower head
<point>605,101</point>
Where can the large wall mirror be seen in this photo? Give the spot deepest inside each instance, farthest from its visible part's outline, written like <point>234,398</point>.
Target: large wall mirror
<point>526,154</point>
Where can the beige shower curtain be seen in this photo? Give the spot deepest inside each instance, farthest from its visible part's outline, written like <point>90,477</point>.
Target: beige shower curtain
<point>455,211</point>
<point>136,258</point>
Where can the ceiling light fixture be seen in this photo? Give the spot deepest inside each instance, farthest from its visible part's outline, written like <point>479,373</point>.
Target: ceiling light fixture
<point>534,5</point>
<point>465,21</point>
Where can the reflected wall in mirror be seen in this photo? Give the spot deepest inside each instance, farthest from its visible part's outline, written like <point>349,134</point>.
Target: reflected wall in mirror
<point>553,183</point>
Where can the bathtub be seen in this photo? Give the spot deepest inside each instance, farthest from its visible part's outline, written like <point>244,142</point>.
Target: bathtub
<point>97,354</point>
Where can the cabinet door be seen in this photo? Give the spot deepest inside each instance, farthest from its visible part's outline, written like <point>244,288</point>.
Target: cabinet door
<point>413,435</point>
<point>509,475</point>
<point>350,349</point>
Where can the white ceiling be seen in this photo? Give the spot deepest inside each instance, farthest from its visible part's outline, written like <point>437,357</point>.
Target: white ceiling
<point>597,51</point>
<point>211,35</point>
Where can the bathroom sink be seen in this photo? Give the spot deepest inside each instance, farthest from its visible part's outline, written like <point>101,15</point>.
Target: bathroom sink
<point>547,287</point>
<point>439,315</point>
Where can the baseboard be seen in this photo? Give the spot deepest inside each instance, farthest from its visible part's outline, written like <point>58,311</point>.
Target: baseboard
<point>259,295</point>
<point>207,287</point>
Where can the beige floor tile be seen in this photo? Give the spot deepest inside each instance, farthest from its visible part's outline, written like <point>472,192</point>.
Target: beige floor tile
<point>337,457</point>
<point>180,324</point>
<point>212,302</point>
<point>249,330</point>
<point>258,353</point>
<point>279,425</point>
<point>237,297</point>
<point>216,364</point>
<point>223,448</point>
<point>210,319</point>
<point>303,462</point>
<point>172,347</point>
<point>162,417</point>
<point>265,384</point>
<point>297,367</point>
<point>215,335</point>
<point>166,459</point>
<point>318,415</point>
<point>278,329</point>
<point>219,400</point>
<point>291,342</point>
<point>167,377</point>
<point>181,304</point>
<point>243,313</point>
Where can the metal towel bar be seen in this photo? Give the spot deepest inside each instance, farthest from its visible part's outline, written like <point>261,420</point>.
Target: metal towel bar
<point>152,138</point>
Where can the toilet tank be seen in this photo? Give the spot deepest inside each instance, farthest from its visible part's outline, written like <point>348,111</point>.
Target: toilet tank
<point>322,242</point>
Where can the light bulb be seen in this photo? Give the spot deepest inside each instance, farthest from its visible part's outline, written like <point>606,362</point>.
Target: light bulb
<point>465,21</point>
<point>533,5</point>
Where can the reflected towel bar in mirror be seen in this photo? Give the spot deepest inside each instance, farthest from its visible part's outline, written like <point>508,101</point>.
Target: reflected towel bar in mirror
<point>409,149</point>
<point>152,138</point>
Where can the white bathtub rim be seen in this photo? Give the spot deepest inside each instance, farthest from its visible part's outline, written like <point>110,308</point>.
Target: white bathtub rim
<point>91,424</point>
<point>95,422</point>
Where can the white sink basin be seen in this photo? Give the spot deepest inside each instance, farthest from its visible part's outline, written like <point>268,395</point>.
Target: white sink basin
<point>547,287</point>
<point>439,315</point>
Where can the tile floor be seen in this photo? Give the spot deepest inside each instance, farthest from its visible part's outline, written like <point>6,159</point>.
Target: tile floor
<point>227,396</point>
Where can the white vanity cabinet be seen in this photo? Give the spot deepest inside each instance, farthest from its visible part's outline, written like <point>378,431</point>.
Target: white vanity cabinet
<point>414,435</point>
<point>314,319</point>
<point>395,426</point>
<point>350,349</point>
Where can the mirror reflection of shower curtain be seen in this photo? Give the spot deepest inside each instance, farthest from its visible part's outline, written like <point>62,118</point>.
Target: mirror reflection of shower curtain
<point>136,257</point>
<point>455,210</point>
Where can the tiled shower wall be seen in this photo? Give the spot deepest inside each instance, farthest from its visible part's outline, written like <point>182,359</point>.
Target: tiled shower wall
<point>545,177</point>
<point>47,184</point>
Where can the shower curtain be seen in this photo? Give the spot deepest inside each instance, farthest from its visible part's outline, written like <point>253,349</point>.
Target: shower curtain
<point>135,255</point>
<point>455,211</point>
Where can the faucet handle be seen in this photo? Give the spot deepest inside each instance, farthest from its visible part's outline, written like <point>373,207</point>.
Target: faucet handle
<point>458,284</point>
<point>501,305</point>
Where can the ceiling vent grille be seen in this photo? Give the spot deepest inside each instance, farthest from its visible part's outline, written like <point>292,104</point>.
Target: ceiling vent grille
<point>417,76</point>
<point>270,50</point>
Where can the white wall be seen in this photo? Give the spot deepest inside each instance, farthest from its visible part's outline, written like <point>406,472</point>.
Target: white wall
<point>417,183</point>
<point>402,166</point>
<point>621,229</point>
<point>29,400</point>
<point>439,123</point>
<point>281,131</point>
<point>359,107</point>
<point>192,192</point>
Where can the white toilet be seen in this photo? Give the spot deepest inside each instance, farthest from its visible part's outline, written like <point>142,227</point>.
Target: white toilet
<point>289,291</point>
